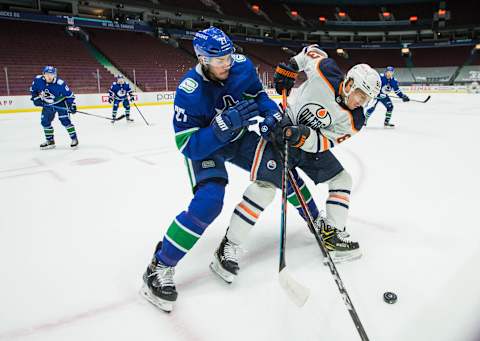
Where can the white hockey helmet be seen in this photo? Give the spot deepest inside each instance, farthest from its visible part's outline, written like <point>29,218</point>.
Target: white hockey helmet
<point>364,78</point>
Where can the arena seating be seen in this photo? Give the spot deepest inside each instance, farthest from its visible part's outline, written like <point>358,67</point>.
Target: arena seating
<point>158,66</point>
<point>31,46</point>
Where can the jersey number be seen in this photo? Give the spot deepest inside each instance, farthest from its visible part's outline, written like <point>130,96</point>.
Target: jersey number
<point>180,114</point>
<point>343,138</point>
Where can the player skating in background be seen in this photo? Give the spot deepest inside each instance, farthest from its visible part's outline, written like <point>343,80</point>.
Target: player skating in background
<point>327,111</point>
<point>214,103</point>
<point>120,92</point>
<point>54,96</point>
<point>389,83</point>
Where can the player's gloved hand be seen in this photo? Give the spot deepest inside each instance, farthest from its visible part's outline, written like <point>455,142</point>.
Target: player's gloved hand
<point>38,102</point>
<point>296,135</point>
<point>72,108</point>
<point>110,100</point>
<point>132,98</point>
<point>284,77</point>
<point>225,125</point>
<point>272,118</point>
<point>405,98</point>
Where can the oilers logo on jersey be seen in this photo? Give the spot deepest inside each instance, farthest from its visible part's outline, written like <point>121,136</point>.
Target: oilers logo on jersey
<point>314,115</point>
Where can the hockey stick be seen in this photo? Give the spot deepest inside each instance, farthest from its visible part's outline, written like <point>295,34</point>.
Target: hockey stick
<point>81,112</point>
<point>414,100</point>
<point>333,269</point>
<point>297,292</point>
<point>140,113</point>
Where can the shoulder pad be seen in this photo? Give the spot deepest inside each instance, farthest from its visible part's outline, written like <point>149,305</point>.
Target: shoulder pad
<point>188,85</point>
<point>114,83</point>
<point>60,81</point>
<point>38,76</point>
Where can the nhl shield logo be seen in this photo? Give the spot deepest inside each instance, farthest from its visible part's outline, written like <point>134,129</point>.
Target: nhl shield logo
<point>271,165</point>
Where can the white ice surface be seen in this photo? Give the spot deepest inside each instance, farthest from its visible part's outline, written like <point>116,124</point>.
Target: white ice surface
<point>77,229</point>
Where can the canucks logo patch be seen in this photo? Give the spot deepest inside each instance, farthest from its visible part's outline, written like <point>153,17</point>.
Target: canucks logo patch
<point>314,115</point>
<point>188,85</point>
<point>239,58</point>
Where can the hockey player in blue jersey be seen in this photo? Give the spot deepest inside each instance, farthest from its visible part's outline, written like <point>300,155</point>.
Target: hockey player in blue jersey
<point>389,83</point>
<point>54,96</point>
<point>120,92</point>
<point>214,103</point>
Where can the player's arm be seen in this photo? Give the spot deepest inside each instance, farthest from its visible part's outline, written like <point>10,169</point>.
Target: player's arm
<point>130,93</point>
<point>398,91</point>
<point>35,95</point>
<point>319,140</point>
<point>307,60</point>
<point>196,138</point>
<point>69,98</point>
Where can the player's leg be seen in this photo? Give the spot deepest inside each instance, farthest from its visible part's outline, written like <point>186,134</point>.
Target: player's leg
<point>387,102</point>
<point>208,179</point>
<point>326,168</point>
<point>126,106</point>
<point>115,109</point>
<point>256,198</point>
<point>293,199</point>
<point>46,121</point>
<point>370,110</point>
<point>64,118</point>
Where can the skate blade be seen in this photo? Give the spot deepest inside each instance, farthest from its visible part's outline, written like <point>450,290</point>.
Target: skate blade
<point>166,306</point>
<point>388,127</point>
<point>48,147</point>
<point>339,257</point>
<point>216,267</point>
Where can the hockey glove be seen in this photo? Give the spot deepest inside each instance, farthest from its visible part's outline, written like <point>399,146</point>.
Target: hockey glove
<point>110,100</point>
<point>272,118</point>
<point>284,77</point>
<point>38,102</point>
<point>132,98</point>
<point>72,108</point>
<point>405,98</point>
<point>296,135</point>
<point>226,125</point>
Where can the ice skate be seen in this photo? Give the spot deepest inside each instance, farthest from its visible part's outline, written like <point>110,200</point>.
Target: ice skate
<point>159,287</point>
<point>225,260</point>
<point>74,143</point>
<point>336,241</point>
<point>48,144</point>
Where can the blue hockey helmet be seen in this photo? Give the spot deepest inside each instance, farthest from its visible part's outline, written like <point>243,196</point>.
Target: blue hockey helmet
<point>119,76</point>
<point>212,42</point>
<point>390,68</point>
<point>49,69</point>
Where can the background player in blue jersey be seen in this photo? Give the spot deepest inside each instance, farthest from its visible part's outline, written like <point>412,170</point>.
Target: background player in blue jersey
<point>53,95</point>
<point>389,83</point>
<point>214,103</point>
<point>120,91</point>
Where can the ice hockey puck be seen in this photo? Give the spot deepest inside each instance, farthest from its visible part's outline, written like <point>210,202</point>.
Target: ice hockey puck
<point>390,297</point>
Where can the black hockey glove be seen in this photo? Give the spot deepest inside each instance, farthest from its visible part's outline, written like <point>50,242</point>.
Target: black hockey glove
<point>267,126</point>
<point>110,100</point>
<point>226,125</point>
<point>38,102</point>
<point>132,98</point>
<point>72,108</point>
<point>296,135</point>
<point>284,77</point>
<point>405,98</point>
